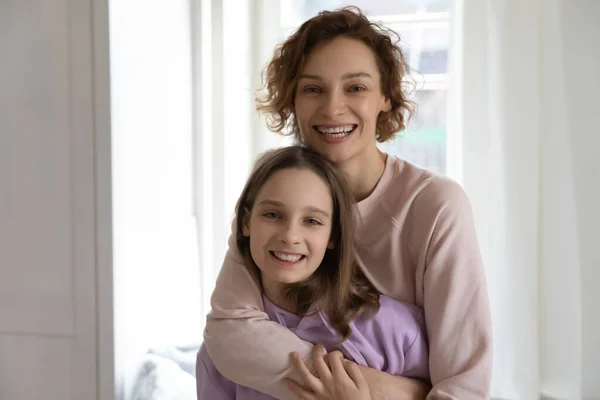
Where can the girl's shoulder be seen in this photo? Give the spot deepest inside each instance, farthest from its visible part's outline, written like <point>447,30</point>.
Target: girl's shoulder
<point>394,316</point>
<point>391,306</point>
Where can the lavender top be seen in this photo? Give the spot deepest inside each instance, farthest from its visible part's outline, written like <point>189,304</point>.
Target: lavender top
<point>394,340</point>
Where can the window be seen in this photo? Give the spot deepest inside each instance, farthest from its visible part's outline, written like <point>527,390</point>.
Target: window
<point>424,30</point>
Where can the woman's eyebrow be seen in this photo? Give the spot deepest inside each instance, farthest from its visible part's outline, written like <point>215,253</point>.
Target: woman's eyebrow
<point>353,75</point>
<point>350,75</point>
<point>308,76</point>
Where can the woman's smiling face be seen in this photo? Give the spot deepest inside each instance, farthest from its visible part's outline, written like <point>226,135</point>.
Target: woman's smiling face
<point>339,99</point>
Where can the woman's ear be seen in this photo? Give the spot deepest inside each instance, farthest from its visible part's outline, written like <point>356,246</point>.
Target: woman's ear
<point>387,105</point>
<point>246,223</point>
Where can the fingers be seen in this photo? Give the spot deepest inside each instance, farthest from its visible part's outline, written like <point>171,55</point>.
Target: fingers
<point>300,391</point>
<point>319,353</point>
<point>333,355</point>
<point>337,378</point>
<point>337,369</point>
<point>354,372</point>
<point>310,381</point>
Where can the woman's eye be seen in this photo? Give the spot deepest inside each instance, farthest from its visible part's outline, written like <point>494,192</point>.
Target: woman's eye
<point>312,221</point>
<point>271,214</point>
<point>312,89</point>
<point>358,88</point>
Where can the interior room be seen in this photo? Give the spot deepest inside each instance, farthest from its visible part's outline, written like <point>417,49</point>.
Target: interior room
<point>128,130</point>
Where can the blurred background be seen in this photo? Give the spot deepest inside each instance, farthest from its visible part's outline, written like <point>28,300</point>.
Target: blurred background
<point>128,128</point>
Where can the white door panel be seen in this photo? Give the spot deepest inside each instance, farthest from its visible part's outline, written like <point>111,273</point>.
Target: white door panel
<point>48,328</point>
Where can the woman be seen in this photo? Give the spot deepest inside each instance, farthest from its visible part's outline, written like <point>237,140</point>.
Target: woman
<point>295,230</point>
<point>337,84</point>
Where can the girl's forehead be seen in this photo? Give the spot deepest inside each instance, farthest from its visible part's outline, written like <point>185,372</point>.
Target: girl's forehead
<point>295,188</point>
<point>294,180</point>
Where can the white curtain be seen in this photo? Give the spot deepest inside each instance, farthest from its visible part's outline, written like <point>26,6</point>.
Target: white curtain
<point>523,142</point>
<point>527,86</point>
<point>155,257</point>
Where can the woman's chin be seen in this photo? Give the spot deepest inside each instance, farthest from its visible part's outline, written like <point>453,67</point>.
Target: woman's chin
<point>334,154</point>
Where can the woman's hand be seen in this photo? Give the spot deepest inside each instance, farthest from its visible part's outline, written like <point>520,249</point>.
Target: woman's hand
<point>338,379</point>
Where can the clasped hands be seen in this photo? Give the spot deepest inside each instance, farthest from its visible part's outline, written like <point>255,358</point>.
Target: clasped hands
<point>336,378</point>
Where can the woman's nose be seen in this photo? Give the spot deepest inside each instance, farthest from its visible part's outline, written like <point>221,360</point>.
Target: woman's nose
<point>334,104</point>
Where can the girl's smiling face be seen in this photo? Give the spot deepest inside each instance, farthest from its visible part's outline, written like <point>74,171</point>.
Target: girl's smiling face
<point>289,227</point>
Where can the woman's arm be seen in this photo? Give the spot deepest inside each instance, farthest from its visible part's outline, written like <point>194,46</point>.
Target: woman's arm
<point>384,386</point>
<point>253,351</point>
<point>455,294</point>
<point>244,345</point>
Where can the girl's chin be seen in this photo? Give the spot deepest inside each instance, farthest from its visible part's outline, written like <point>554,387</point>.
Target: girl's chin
<point>284,280</point>
<point>289,280</point>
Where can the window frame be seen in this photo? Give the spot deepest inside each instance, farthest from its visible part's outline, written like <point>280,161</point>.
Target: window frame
<point>417,23</point>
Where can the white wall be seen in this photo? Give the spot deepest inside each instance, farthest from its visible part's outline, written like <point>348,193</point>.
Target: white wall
<point>582,52</point>
<point>48,267</point>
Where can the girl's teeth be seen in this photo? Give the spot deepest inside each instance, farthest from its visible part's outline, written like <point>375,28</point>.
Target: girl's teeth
<point>287,257</point>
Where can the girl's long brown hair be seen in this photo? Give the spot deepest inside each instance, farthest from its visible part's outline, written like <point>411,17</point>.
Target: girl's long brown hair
<point>337,287</point>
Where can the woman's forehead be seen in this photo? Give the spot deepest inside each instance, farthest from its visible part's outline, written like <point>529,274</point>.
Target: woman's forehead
<point>341,56</point>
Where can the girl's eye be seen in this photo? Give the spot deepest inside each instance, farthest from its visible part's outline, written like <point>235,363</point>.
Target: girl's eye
<point>271,214</point>
<point>312,221</point>
<point>358,88</point>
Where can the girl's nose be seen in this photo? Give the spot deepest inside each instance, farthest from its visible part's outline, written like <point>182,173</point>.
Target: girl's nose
<point>290,234</point>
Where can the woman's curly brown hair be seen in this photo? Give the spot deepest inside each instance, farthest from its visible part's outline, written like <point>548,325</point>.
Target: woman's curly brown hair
<point>280,78</point>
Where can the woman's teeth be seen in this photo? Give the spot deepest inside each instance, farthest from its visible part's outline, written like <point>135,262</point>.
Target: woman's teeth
<point>287,257</point>
<point>337,132</point>
<point>336,135</point>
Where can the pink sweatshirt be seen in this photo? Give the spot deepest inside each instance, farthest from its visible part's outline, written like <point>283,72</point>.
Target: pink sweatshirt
<point>416,242</point>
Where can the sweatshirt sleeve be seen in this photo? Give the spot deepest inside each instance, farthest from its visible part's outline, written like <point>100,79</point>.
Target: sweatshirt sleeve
<point>416,358</point>
<point>210,384</point>
<point>455,297</point>
<point>244,345</point>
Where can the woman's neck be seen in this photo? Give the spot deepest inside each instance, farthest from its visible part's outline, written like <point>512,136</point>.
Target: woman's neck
<point>364,172</point>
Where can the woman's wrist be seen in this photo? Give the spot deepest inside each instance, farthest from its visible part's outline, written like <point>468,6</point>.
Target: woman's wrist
<point>384,386</point>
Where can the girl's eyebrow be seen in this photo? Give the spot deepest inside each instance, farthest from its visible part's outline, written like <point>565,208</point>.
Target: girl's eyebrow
<point>275,203</point>
<point>350,75</point>
<point>317,210</point>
